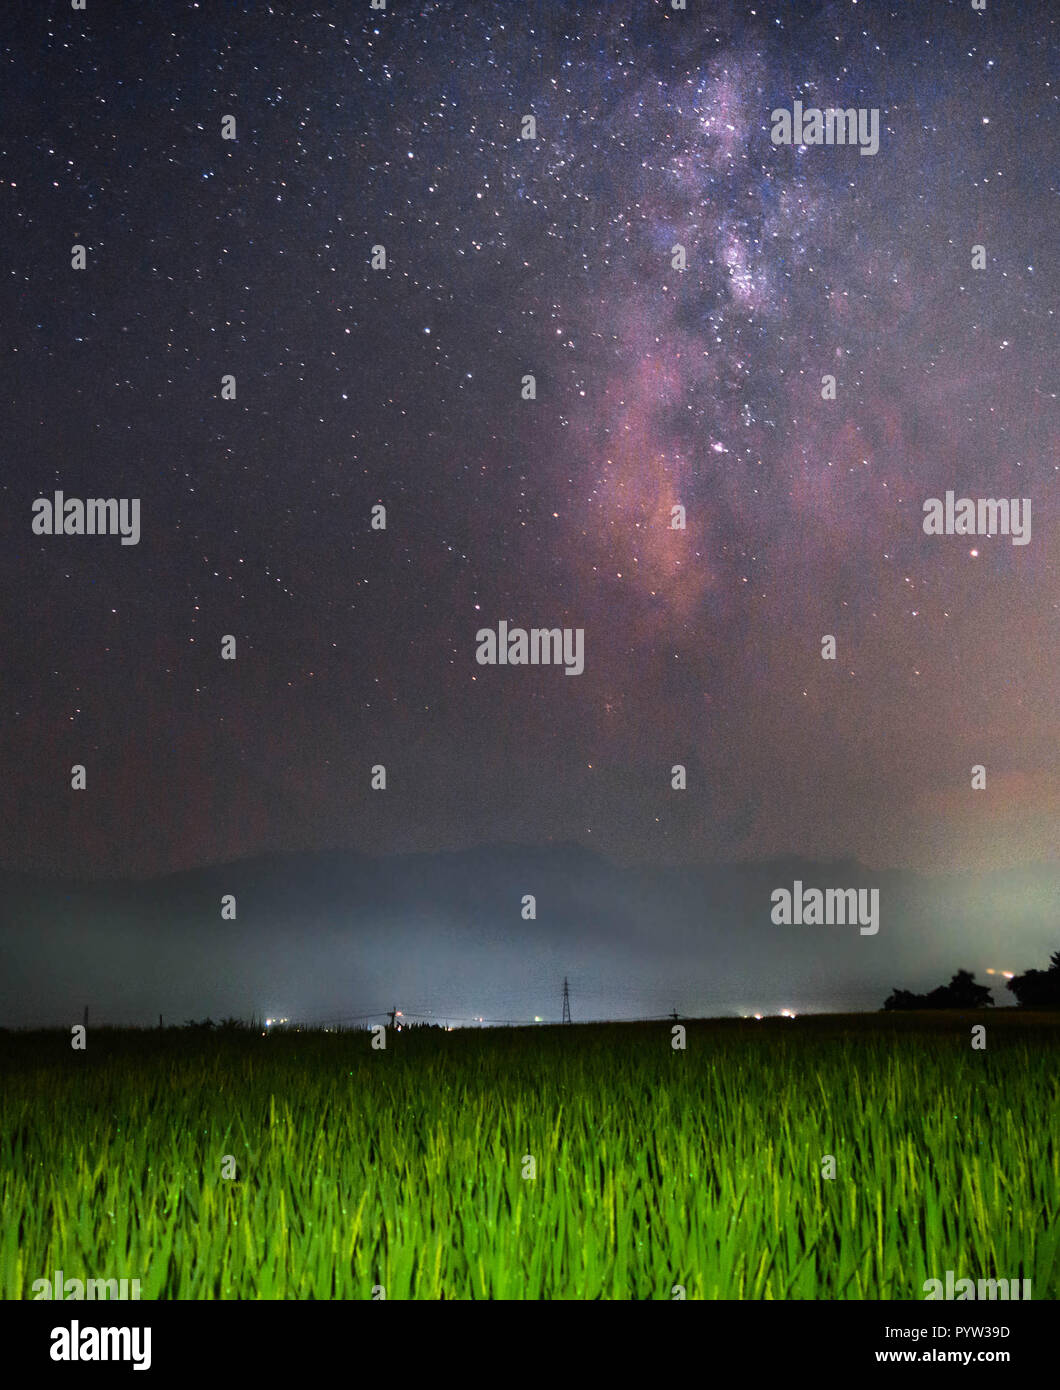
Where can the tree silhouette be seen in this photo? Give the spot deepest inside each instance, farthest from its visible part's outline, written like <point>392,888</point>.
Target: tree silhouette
<point>961,993</point>
<point>905,999</point>
<point>1038,989</point>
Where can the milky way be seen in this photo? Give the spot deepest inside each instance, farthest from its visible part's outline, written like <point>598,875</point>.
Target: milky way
<point>656,387</point>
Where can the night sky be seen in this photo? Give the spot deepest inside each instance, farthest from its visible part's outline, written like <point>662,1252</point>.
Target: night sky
<point>655,387</point>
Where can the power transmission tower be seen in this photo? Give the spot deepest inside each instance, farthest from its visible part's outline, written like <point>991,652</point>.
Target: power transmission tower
<point>566,1001</point>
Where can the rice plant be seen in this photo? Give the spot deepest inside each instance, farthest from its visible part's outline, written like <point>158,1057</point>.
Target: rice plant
<point>537,1163</point>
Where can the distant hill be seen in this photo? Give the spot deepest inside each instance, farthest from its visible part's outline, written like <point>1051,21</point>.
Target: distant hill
<point>337,933</point>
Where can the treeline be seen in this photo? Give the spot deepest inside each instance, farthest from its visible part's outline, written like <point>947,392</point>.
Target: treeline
<point>1034,989</point>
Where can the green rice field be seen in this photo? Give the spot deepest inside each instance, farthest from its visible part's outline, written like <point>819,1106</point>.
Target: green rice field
<point>409,1169</point>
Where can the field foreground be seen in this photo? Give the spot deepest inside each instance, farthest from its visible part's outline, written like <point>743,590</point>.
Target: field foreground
<point>578,1162</point>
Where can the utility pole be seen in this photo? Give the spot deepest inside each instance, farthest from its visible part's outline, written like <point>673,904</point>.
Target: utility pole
<point>393,1012</point>
<point>566,1001</point>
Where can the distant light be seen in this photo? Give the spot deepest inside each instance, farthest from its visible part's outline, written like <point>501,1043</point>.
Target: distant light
<point>1009,974</point>
<point>758,1015</point>
<point>538,1018</point>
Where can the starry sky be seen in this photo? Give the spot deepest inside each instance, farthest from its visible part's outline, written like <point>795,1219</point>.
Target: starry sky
<point>655,387</point>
